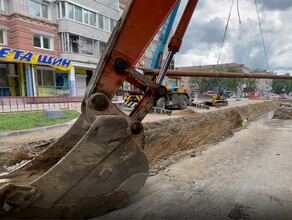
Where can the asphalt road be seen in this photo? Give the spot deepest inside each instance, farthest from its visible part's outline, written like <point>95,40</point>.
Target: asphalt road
<point>247,176</point>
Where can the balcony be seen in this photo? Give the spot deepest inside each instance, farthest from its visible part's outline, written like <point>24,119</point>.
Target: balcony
<point>81,59</point>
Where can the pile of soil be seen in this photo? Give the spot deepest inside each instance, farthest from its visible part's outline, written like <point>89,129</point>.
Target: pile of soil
<point>283,113</point>
<point>185,112</point>
<point>165,138</point>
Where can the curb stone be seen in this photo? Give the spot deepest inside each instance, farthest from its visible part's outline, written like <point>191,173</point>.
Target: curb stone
<point>42,129</point>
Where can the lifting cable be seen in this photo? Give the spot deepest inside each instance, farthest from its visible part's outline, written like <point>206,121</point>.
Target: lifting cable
<point>260,26</point>
<point>225,31</point>
<point>259,21</point>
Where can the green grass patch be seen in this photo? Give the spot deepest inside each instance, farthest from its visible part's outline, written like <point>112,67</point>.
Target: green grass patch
<point>29,120</point>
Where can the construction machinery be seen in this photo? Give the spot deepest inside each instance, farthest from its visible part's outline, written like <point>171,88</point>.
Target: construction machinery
<point>99,163</point>
<point>175,97</point>
<point>217,97</point>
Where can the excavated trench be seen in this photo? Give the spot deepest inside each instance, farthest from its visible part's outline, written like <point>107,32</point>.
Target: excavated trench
<point>285,112</point>
<point>191,130</point>
<point>164,138</point>
<point>167,137</point>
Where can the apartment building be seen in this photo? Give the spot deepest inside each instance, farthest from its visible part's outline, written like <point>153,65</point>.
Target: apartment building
<point>51,47</point>
<point>28,37</point>
<point>84,29</point>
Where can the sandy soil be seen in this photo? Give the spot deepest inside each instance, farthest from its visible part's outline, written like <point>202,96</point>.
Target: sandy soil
<point>11,143</point>
<point>182,130</point>
<point>165,137</point>
<point>283,113</point>
<point>247,176</point>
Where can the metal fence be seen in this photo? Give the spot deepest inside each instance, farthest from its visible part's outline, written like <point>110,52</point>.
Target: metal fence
<point>48,98</point>
<point>25,104</point>
<point>51,98</point>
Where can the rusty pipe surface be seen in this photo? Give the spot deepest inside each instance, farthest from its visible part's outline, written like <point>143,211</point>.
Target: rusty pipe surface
<point>193,73</point>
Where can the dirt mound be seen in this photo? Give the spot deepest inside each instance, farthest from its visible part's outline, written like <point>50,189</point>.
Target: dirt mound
<point>283,113</point>
<point>18,156</point>
<point>186,112</point>
<point>164,138</point>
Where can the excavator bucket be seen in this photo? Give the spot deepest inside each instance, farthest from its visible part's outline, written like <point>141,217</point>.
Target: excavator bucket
<point>99,163</point>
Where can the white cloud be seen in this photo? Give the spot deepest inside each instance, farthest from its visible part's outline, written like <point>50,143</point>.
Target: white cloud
<point>243,42</point>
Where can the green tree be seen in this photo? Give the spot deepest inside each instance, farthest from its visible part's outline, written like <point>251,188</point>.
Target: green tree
<point>251,85</point>
<point>206,84</point>
<point>280,86</point>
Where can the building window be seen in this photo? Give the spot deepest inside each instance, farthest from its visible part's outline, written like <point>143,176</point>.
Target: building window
<point>102,46</point>
<point>74,43</point>
<point>81,45</point>
<point>41,41</point>
<point>63,9</point>
<point>85,16</point>
<point>92,18</point>
<point>100,21</point>
<point>74,12</point>
<point>111,3</point>
<point>1,5</point>
<point>106,23</point>
<point>2,36</point>
<point>71,11</point>
<point>86,46</point>
<point>39,9</point>
<point>46,77</point>
<point>78,13</point>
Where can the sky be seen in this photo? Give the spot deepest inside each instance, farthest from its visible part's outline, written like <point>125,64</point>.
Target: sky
<point>243,43</point>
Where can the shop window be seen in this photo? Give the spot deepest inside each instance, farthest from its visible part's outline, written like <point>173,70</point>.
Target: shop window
<point>39,9</point>
<point>42,41</point>
<point>86,46</point>
<point>45,77</point>
<point>4,79</point>
<point>2,36</point>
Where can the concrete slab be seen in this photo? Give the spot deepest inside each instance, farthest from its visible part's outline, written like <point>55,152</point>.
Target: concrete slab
<point>53,113</point>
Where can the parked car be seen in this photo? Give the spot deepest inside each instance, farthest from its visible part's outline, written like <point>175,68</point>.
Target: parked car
<point>273,96</point>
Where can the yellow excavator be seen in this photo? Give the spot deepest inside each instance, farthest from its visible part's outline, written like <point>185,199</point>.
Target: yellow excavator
<point>99,163</point>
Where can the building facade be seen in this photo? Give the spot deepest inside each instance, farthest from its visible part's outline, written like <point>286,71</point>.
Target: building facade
<point>84,29</point>
<point>40,40</point>
<point>27,28</point>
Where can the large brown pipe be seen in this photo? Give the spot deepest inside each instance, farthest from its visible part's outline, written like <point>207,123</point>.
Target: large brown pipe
<point>194,73</point>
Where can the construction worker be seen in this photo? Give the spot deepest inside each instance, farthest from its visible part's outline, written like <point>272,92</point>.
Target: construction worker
<point>243,124</point>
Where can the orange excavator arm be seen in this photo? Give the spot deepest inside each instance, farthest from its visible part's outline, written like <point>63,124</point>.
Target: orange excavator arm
<point>99,163</point>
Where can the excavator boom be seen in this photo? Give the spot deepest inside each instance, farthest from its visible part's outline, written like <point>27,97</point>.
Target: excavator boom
<point>99,163</point>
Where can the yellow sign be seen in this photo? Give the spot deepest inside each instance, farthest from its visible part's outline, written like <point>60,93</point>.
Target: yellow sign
<point>11,55</point>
